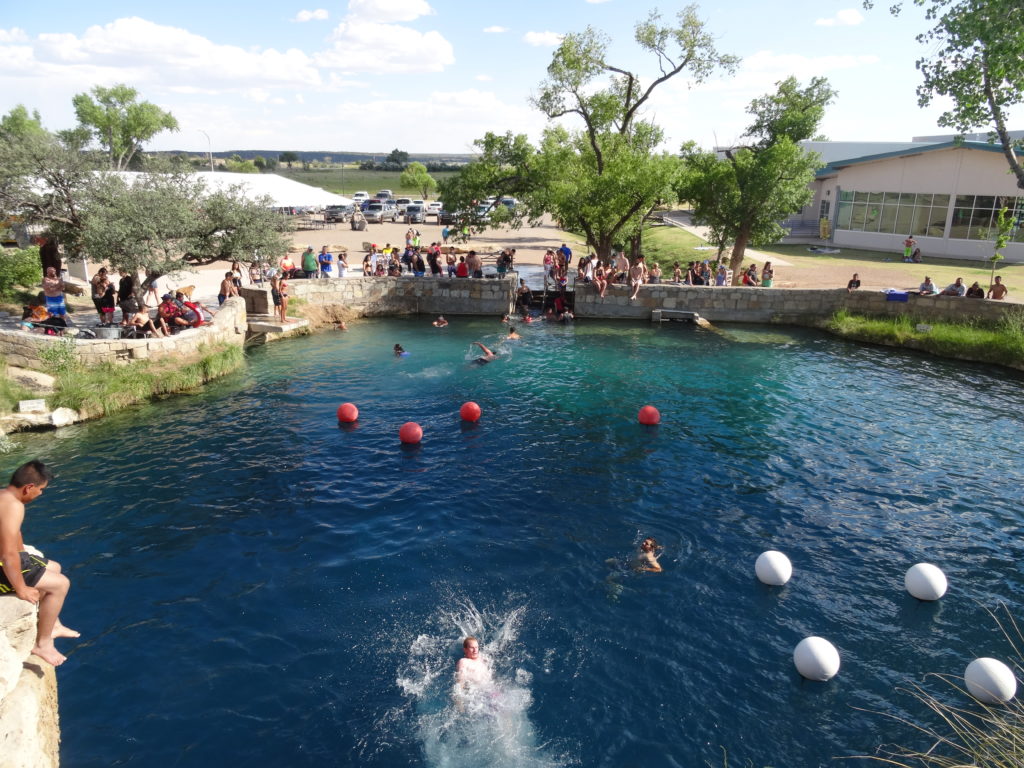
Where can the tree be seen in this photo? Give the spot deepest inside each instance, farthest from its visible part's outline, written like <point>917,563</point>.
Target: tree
<point>416,177</point>
<point>397,158</point>
<point>119,122</point>
<point>603,179</point>
<point>744,196</point>
<point>1005,222</point>
<point>18,122</point>
<point>976,59</point>
<point>241,166</point>
<point>288,157</point>
<point>260,162</point>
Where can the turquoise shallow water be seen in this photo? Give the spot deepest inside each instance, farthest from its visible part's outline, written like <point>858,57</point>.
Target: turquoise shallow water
<point>256,585</point>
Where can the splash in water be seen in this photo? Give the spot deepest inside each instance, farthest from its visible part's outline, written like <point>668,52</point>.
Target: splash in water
<point>487,725</point>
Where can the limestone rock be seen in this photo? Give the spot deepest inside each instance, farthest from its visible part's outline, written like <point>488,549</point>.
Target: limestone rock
<point>32,380</point>
<point>63,417</point>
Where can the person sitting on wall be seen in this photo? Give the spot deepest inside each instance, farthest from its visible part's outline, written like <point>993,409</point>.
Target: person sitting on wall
<point>956,289</point>
<point>37,318</point>
<point>854,283</point>
<point>191,311</point>
<point>975,291</point>
<point>927,288</point>
<point>144,325</point>
<point>170,314</point>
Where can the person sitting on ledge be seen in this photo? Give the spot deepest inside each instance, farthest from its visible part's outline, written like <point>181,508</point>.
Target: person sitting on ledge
<point>854,283</point>
<point>31,577</point>
<point>975,291</point>
<point>170,314</point>
<point>956,289</point>
<point>144,325</point>
<point>927,288</point>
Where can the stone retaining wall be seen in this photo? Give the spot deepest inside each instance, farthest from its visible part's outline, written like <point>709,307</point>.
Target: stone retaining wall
<point>25,349</point>
<point>374,296</point>
<point>776,305</point>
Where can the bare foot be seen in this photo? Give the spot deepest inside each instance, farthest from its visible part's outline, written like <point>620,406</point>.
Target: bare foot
<point>59,630</point>
<point>49,654</point>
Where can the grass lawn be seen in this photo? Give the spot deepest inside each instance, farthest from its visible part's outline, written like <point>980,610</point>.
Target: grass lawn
<point>348,180</point>
<point>667,244</point>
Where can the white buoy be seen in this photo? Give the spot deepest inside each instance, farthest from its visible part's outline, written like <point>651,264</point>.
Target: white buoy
<point>773,568</point>
<point>925,581</point>
<point>816,659</point>
<point>990,681</point>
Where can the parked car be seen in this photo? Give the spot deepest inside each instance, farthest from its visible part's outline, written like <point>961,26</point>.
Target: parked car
<point>401,203</point>
<point>449,217</point>
<point>509,202</point>
<point>378,212</point>
<point>340,213</point>
<point>384,194</point>
<point>434,208</point>
<point>414,214</point>
<point>483,211</point>
<point>359,197</point>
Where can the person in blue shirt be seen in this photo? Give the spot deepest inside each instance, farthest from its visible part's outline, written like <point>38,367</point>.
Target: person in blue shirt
<point>326,261</point>
<point>567,252</point>
<point>956,289</point>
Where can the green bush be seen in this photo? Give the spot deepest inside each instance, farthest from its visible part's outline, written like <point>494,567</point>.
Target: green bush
<point>19,267</point>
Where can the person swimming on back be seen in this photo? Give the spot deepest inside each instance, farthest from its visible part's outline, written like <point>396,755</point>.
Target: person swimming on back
<point>487,356</point>
<point>647,557</point>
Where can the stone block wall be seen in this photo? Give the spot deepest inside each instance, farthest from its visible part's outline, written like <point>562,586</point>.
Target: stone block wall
<point>25,349</point>
<point>776,305</point>
<point>375,296</point>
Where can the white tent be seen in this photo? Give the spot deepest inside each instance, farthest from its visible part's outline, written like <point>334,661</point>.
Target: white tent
<point>284,192</point>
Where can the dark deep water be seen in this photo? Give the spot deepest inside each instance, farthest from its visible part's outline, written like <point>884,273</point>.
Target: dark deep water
<point>256,586</point>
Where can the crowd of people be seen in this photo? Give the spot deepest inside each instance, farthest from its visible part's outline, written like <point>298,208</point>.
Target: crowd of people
<point>957,288</point>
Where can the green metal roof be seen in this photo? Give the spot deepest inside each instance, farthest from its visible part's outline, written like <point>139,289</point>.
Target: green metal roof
<point>836,165</point>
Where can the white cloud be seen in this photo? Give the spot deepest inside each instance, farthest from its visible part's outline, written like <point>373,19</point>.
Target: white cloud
<point>388,10</point>
<point>320,14</point>
<point>13,35</point>
<point>538,39</point>
<point>371,46</point>
<point>484,78</point>
<point>143,53</point>
<point>848,17</point>
<point>495,30</point>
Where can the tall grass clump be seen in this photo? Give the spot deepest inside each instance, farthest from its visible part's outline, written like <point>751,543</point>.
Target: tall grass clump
<point>110,387</point>
<point>964,732</point>
<point>968,339</point>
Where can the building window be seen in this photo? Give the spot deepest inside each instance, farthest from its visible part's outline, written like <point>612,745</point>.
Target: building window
<point>893,213</point>
<point>974,216</point>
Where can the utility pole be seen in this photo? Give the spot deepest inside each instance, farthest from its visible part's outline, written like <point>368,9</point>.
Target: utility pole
<point>209,147</point>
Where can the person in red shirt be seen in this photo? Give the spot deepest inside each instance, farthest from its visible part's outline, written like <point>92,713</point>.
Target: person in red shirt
<point>462,270</point>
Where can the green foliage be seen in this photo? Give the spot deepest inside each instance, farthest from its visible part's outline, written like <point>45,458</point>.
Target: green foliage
<point>19,268</point>
<point>604,178</point>
<point>59,356</point>
<point>241,166</point>
<point>119,122</point>
<point>104,389</point>
<point>416,176</point>
<point>1002,343</point>
<point>18,122</point>
<point>153,223</point>
<point>1003,230</point>
<point>288,158</point>
<point>398,158</point>
<point>743,196</point>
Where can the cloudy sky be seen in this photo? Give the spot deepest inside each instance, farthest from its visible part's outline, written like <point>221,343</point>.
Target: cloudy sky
<point>374,75</point>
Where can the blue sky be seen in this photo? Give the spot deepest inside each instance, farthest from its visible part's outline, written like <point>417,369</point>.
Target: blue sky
<point>430,76</point>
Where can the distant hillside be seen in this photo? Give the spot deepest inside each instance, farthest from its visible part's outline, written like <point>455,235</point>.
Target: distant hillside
<point>324,156</point>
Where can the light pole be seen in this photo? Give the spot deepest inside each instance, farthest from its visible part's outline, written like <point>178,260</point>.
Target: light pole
<point>209,147</point>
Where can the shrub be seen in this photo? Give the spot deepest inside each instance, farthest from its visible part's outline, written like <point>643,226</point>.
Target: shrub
<point>19,267</point>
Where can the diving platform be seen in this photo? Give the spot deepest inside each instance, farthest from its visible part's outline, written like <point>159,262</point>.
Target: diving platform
<point>674,316</point>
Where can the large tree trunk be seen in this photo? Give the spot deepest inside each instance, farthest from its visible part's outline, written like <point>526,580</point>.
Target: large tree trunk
<point>739,250</point>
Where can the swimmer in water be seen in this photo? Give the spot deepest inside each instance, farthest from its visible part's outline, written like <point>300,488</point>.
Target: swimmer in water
<point>440,322</point>
<point>473,669</point>
<point>399,352</point>
<point>487,357</point>
<point>512,333</point>
<point>341,326</point>
<point>647,557</point>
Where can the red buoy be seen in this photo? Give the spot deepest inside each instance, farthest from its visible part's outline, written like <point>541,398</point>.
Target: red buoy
<point>649,415</point>
<point>347,413</point>
<point>410,433</point>
<point>470,411</point>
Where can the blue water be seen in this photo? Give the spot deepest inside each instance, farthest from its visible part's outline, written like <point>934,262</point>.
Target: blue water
<point>257,586</point>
